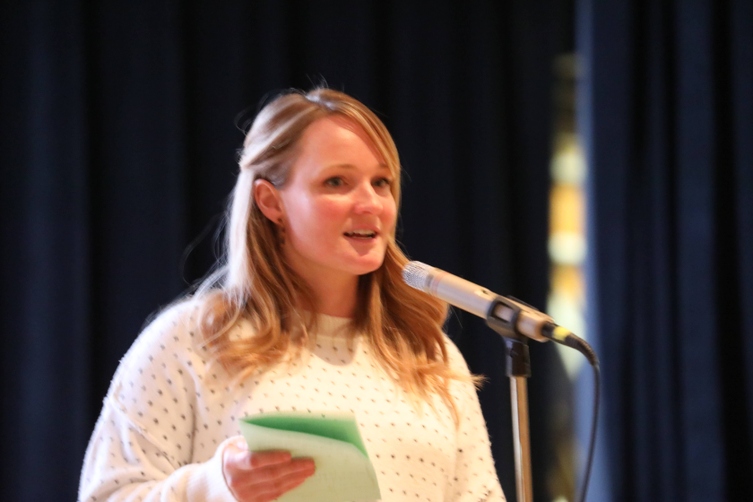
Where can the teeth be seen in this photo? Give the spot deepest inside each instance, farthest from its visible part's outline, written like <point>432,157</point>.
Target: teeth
<point>361,233</point>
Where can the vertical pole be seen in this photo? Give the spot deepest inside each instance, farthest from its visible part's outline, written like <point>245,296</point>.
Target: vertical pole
<point>521,438</point>
<point>519,369</point>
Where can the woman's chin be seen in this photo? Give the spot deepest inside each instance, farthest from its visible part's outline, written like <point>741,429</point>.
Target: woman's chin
<point>367,266</point>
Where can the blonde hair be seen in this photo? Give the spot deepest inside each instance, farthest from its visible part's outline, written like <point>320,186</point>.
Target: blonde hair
<point>403,325</point>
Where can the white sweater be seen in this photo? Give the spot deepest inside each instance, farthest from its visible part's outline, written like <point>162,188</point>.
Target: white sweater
<point>168,416</point>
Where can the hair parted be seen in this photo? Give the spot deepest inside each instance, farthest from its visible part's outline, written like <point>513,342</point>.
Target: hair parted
<point>253,282</point>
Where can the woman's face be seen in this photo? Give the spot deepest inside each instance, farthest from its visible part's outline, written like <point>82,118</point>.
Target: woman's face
<point>338,210</point>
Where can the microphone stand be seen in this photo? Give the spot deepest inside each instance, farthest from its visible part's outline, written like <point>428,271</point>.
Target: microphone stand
<point>518,370</point>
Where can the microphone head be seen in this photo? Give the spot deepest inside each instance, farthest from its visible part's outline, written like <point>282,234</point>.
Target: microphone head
<point>417,275</point>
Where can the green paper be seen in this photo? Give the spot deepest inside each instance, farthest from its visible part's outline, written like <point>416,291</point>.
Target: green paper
<point>343,469</point>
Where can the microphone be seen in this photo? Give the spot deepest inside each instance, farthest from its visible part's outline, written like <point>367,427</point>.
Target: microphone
<point>511,318</point>
<point>511,315</point>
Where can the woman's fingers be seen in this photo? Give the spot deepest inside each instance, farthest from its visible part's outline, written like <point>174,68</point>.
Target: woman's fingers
<point>274,481</point>
<point>258,459</point>
<point>264,475</point>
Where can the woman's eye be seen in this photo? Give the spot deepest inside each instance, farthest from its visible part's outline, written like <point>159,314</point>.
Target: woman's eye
<point>334,182</point>
<point>382,182</point>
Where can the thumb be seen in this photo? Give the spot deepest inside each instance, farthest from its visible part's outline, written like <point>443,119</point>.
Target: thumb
<point>234,448</point>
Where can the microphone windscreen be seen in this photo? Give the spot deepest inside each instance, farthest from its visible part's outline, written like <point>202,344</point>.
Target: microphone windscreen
<point>417,275</point>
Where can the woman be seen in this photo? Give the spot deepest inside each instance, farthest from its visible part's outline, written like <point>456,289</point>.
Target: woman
<point>308,312</point>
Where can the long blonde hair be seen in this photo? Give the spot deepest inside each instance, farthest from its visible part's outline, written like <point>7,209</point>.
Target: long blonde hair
<point>403,325</point>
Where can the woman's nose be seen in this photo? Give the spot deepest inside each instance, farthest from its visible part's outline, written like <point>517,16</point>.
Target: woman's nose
<point>367,199</point>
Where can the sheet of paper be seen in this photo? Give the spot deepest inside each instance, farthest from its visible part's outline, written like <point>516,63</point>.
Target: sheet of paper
<point>343,469</point>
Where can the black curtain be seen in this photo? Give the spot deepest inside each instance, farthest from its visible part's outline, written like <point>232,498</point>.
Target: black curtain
<point>118,136</point>
<point>667,112</point>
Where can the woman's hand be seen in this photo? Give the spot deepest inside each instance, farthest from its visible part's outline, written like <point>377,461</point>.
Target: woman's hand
<point>263,475</point>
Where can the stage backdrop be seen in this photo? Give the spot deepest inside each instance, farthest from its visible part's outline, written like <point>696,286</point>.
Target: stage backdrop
<point>119,129</point>
<point>667,112</point>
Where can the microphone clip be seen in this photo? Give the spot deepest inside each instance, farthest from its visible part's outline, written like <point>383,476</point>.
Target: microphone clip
<point>514,319</point>
<point>503,317</point>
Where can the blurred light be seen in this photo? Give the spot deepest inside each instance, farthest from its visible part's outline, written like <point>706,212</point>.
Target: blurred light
<point>568,166</point>
<point>567,248</point>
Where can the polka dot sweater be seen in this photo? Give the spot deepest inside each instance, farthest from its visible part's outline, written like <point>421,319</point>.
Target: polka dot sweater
<point>169,414</point>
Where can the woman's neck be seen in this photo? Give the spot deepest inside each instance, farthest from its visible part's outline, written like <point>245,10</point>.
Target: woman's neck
<point>337,298</point>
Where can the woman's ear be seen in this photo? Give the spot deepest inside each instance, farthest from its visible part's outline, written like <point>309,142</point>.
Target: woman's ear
<point>268,200</point>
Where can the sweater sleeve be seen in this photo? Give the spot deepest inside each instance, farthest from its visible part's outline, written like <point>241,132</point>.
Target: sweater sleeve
<point>142,445</point>
<point>475,476</point>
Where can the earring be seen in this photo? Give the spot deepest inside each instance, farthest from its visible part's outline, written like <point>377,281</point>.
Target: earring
<point>281,232</point>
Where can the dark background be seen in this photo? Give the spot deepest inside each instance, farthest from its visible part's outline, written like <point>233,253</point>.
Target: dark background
<point>119,127</point>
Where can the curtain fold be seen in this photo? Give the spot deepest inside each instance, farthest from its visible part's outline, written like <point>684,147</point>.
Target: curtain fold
<point>666,114</point>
